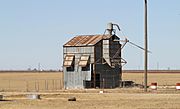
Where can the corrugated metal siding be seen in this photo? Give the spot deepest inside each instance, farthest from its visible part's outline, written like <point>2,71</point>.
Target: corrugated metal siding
<point>110,76</point>
<point>83,60</point>
<point>115,53</point>
<point>106,54</point>
<point>68,60</point>
<point>114,47</point>
<point>76,78</point>
<point>92,45</point>
<point>98,53</point>
<point>81,51</point>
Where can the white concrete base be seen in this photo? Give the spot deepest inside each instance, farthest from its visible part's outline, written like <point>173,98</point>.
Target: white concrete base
<point>153,87</point>
<point>178,87</point>
<point>101,91</point>
<point>34,96</point>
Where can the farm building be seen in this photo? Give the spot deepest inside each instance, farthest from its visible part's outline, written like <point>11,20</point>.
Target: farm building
<point>92,61</point>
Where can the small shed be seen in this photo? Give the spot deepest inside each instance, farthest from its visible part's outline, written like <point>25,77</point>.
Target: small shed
<point>92,61</point>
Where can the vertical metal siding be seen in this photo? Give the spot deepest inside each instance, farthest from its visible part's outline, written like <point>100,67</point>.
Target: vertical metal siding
<point>76,78</point>
<point>103,49</point>
<point>110,75</point>
<point>106,54</point>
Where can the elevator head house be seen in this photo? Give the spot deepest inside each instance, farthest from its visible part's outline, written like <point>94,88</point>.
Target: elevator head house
<point>92,61</point>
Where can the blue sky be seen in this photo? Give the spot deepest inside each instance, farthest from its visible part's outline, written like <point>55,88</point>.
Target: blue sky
<point>34,31</point>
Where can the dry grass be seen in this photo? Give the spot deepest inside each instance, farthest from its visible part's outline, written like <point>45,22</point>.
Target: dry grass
<point>38,81</point>
<point>31,75</point>
<point>91,99</point>
<point>95,101</point>
<point>31,81</point>
<point>160,78</point>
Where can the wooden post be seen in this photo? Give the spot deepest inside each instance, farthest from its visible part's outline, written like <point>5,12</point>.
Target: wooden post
<point>146,47</point>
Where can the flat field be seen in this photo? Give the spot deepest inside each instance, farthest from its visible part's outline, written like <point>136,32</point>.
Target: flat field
<point>31,81</point>
<point>120,98</point>
<point>160,78</point>
<point>125,99</point>
<point>30,75</point>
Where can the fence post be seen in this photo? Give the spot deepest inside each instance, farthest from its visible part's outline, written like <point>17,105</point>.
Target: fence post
<point>103,84</point>
<point>53,84</point>
<point>9,84</point>
<point>38,85</point>
<point>27,90</point>
<point>119,83</point>
<point>59,84</point>
<point>45,84</point>
<point>35,85</point>
<point>113,82</point>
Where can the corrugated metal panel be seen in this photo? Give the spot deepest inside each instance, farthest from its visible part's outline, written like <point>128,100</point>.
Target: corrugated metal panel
<point>106,55</point>
<point>89,49</point>
<point>84,60</point>
<point>67,63</point>
<point>69,57</point>
<point>83,63</point>
<point>68,60</point>
<point>85,40</point>
<point>81,49</point>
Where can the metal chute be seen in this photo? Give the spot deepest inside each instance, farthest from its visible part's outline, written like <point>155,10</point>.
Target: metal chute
<point>139,46</point>
<point>125,41</point>
<point>116,59</point>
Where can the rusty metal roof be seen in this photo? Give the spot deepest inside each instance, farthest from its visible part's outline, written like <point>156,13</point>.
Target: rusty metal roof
<point>85,40</point>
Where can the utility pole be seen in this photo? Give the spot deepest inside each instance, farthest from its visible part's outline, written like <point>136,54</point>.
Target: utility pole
<point>157,65</point>
<point>39,67</point>
<point>146,47</point>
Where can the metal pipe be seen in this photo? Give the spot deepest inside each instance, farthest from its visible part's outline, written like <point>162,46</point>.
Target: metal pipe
<point>146,47</point>
<point>110,28</point>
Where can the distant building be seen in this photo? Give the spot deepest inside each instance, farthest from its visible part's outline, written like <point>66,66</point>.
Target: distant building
<point>92,61</point>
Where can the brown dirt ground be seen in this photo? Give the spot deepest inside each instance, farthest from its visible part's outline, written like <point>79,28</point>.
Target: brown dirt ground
<point>111,99</point>
<point>128,98</point>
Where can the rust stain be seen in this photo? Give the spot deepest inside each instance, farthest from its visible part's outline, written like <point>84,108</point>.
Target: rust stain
<point>85,40</point>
